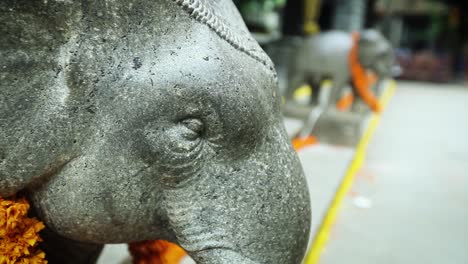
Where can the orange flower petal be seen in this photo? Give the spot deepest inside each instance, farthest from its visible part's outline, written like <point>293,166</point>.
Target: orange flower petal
<point>19,233</point>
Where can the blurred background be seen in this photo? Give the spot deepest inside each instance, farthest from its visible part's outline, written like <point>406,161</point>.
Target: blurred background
<point>430,36</point>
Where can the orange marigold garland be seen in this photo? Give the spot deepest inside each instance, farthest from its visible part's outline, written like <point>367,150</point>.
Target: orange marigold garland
<point>19,233</point>
<point>156,252</point>
<point>362,79</point>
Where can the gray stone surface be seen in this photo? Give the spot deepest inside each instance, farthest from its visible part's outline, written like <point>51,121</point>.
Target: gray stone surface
<point>131,120</point>
<point>324,167</point>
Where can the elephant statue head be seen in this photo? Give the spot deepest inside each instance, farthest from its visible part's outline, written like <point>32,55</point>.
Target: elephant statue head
<point>376,53</point>
<point>128,120</point>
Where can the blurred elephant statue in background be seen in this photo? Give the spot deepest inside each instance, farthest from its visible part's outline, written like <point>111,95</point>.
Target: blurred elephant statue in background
<point>327,56</point>
<point>129,120</point>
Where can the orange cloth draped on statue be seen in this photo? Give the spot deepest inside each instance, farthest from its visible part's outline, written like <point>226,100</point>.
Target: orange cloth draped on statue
<point>361,78</point>
<point>300,143</point>
<point>156,252</point>
<point>345,103</point>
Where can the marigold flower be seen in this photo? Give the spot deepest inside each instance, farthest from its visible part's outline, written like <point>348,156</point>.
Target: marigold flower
<point>19,234</point>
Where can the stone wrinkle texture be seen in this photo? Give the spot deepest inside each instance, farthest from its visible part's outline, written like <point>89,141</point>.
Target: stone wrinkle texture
<point>131,120</point>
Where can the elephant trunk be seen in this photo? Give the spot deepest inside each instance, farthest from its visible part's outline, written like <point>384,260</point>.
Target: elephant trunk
<point>255,209</point>
<point>220,256</point>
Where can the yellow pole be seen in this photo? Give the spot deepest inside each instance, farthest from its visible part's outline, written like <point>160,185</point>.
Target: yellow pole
<point>311,11</point>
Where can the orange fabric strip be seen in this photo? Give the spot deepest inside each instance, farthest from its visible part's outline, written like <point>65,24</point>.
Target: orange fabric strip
<point>362,80</point>
<point>345,103</point>
<point>156,252</point>
<point>300,143</point>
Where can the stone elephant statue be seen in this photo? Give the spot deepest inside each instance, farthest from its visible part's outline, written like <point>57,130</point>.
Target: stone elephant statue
<point>326,56</point>
<point>129,120</point>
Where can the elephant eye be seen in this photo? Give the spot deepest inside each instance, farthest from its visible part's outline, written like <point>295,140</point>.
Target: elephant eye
<point>195,128</point>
